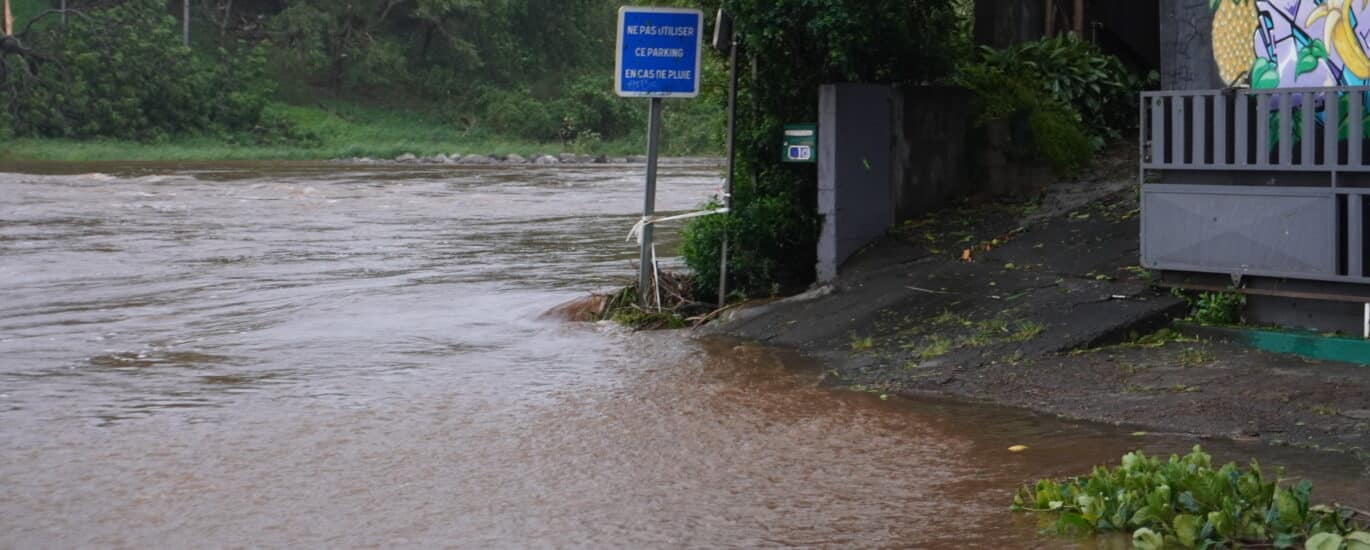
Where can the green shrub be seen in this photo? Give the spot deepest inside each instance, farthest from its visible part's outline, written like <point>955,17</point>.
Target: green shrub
<point>768,245</point>
<point>1219,308</point>
<point>517,113</point>
<point>590,106</point>
<point>1054,130</point>
<point>1078,74</point>
<point>1058,139</point>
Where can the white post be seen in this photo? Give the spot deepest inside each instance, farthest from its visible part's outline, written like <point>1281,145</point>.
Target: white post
<point>1367,322</point>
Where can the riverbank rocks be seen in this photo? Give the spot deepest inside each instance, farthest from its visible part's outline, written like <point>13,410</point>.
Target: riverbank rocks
<point>477,160</point>
<point>485,160</point>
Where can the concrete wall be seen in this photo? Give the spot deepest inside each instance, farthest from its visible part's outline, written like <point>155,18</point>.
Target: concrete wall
<point>932,155</point>
<point>855,130</point>
<point>886,155</point>
<point>1187,46</point>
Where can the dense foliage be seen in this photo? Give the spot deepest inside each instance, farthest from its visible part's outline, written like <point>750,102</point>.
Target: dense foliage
<point>123,72</point>
<point>791,48</point>
<point>1186,502</point>
<point>534,70</point>
<point>1071,98</point>
<point>1053,131</point>
<point>1077,73</point>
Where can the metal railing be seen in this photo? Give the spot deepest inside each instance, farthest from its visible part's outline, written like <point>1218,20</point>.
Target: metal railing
<point>1261,130</point>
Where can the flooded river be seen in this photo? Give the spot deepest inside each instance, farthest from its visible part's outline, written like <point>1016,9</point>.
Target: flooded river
<point>288,355</point>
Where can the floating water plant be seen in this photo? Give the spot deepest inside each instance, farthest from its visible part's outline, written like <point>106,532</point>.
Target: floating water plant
<point>1185,502</point>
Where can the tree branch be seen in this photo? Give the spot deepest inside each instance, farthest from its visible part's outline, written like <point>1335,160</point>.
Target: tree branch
<point>29,26</point>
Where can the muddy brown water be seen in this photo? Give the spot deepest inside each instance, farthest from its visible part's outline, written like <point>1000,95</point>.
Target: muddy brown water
<point>298,355</point>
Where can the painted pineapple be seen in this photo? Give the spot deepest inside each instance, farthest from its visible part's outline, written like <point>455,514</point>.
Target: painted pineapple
<point>1234,26</point>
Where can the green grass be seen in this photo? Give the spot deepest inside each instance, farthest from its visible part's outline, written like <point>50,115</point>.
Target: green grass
<point>344,130</point>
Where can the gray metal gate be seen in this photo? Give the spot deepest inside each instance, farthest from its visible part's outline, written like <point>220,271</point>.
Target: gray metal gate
<point>1271,183</point>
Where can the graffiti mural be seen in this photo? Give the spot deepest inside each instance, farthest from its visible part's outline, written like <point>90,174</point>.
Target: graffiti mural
<point>1292,43</point>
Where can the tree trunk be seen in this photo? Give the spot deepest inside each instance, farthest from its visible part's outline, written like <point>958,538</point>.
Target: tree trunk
<point>427,41</point>
<point>228,15</point>
<point>8,20</point>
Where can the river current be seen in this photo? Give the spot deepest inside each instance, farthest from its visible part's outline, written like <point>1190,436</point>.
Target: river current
<point>320,355</point>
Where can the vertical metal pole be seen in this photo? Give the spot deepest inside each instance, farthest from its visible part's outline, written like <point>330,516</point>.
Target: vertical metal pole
<point>185,22</point>
<point>64,12</point>
<point>645,279</point>
<point>732,163</point>
<point>1355,239</point>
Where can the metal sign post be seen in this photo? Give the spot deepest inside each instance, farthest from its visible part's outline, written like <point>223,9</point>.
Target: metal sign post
<point>659,55</point>
<point>646,276</point>
<point>725,39</point>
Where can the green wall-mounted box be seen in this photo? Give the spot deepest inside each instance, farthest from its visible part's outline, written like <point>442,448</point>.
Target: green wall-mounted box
<point>801,143</point>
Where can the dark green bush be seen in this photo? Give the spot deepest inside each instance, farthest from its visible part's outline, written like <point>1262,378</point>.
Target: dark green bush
<point>1078,74</point>
<point>517,113</point>
<point>590,106</point>
<point>1055,134</point>
<point>764,256</point>
<point>122,72</point>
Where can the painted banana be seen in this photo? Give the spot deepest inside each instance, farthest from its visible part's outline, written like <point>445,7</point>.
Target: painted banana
<point>1339,35</point>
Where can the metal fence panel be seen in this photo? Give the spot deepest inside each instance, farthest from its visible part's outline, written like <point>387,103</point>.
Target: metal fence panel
<point>1236,229</point>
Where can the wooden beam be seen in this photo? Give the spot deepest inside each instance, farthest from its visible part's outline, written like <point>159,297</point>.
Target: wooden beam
<point>1080,18</point>
<point>1051,18</point>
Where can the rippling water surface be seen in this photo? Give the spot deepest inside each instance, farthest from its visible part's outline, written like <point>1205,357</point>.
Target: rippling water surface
<point>290,355</point>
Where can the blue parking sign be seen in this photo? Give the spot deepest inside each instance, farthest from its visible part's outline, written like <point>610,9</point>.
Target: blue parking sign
<point>659,52</point>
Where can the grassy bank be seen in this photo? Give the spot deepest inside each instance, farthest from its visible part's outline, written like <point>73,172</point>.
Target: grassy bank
<point>331,130</point>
